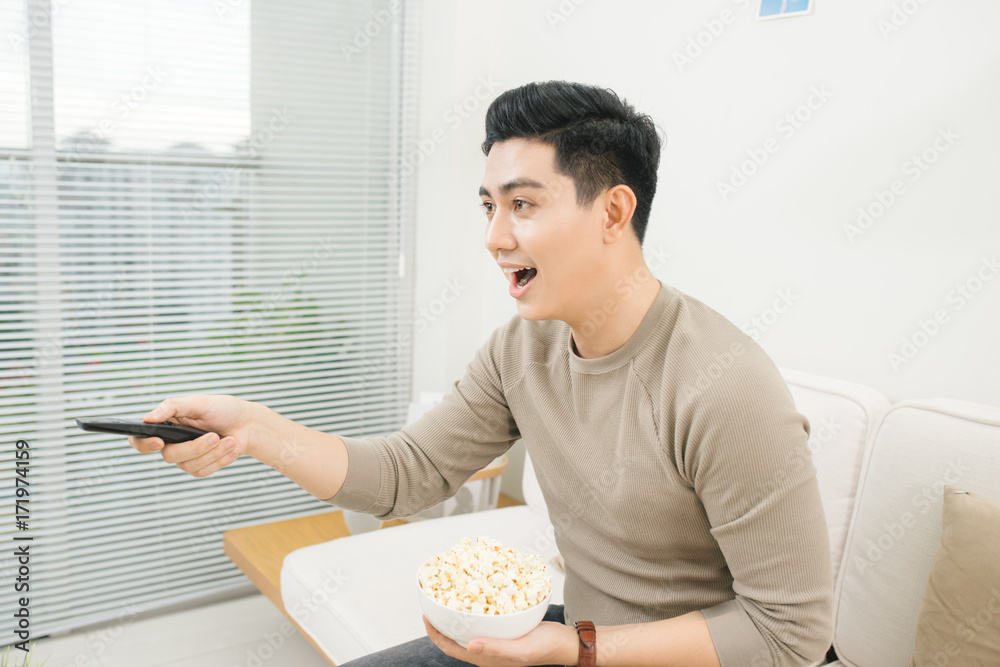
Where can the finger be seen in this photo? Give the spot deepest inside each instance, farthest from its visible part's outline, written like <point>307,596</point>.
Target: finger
<point>433,633</point>
<point>185,452</point>
<point>219,455</point>
<point>162,412</point>
<point>229,452</point>
<point>447,645</point>
<point>145,445</point>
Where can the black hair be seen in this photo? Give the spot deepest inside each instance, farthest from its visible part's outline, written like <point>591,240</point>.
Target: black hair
<point>600,140</point>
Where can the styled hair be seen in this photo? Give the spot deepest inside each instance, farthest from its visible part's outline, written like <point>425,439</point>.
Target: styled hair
<point>600,140</point>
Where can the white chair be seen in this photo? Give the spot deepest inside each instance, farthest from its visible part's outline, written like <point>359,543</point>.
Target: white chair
<point>841,415</point>
<point>915,448</point>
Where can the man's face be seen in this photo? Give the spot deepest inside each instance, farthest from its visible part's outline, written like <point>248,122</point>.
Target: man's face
<point>533,220</point>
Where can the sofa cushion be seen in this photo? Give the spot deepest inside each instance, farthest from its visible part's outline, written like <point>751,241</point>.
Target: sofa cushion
<point>960,612</point>
<point>333,589</point>
<point>840,416</point>
<point>915,449</point>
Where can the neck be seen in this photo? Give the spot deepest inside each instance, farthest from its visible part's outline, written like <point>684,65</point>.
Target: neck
<point>614,315</point>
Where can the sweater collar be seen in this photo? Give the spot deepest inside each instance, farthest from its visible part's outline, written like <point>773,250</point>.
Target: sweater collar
<point>632,345</point>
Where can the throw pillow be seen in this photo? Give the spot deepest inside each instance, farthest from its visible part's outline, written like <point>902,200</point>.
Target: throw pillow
<point>959,618</point>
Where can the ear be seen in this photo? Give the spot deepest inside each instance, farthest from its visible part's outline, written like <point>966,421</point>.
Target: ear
<point>619,205</point>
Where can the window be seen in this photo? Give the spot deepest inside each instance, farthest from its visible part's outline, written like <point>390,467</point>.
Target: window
<point>198,197</point>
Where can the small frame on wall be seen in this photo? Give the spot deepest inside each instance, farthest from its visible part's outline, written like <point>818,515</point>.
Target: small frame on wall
<point>779,9</point>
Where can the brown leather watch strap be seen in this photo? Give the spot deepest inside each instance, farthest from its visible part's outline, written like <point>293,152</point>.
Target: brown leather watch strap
<point>588,643</point>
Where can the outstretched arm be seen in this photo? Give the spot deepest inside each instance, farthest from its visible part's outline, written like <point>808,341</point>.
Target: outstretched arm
<point>314,460</point>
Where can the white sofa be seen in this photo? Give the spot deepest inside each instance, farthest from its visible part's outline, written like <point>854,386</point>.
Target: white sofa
<point>875,461</point>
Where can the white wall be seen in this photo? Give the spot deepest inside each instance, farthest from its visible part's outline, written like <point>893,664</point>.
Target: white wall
<point>889,97</point>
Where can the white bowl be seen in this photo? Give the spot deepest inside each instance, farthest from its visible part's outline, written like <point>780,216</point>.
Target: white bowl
<point>463,626</point>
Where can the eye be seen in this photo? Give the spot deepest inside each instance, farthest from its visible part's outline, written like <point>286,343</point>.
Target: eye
<point>520,204</point>
<point>487,206</point>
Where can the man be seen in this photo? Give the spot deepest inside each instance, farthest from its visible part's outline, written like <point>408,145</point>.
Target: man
<point>672,459</point>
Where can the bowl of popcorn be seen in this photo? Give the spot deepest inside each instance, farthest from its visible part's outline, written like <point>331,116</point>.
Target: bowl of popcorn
<point>481,588</point>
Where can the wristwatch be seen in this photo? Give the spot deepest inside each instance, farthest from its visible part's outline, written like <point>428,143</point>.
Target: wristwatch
<point>588,643</point>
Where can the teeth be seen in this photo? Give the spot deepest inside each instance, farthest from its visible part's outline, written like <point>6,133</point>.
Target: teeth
<point>510,271</point>
<point>526,277</point>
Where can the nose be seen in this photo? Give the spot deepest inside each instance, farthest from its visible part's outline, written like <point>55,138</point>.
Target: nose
<point>499,234</point>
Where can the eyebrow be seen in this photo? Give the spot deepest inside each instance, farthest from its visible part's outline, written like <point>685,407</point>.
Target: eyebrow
<point>512,185</point>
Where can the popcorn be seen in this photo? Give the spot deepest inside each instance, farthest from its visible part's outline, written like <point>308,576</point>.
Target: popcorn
<point>481,576</point>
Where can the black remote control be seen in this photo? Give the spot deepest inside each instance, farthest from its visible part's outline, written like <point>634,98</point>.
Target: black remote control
<point>169,432</point>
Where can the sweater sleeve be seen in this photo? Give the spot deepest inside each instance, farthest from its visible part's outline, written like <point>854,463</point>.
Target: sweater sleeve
<point>427,461</point>
<point>748,459</point>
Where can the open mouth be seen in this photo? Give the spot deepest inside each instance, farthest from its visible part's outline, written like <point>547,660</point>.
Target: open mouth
<point>525,275</point>
<point>520,279</point>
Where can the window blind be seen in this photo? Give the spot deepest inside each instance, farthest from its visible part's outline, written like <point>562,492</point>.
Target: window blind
<point>195,197</point>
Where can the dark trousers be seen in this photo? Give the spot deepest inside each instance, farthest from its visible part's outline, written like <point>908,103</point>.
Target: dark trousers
<point>423,653</point>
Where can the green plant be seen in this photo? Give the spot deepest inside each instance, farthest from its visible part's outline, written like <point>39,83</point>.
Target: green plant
<point>5,659</point>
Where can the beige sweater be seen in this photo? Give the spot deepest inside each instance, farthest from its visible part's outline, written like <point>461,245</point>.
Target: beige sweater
<point>676,471</point>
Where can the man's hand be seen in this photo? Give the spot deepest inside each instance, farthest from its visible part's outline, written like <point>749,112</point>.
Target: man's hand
<point>679,641</point>
<point>548,644</point>
<point>227,420</point>
<point>314,460</point>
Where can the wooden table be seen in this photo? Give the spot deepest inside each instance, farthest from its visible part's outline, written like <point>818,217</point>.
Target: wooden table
<point>260,550</point>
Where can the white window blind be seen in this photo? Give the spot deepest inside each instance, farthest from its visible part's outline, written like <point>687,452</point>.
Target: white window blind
<point>196,196</point>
